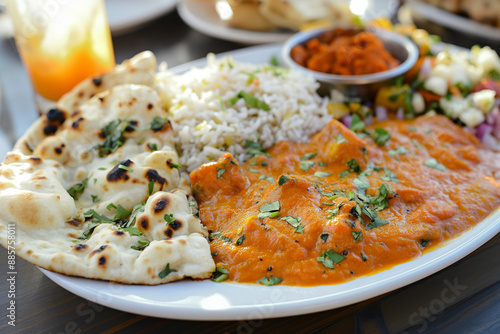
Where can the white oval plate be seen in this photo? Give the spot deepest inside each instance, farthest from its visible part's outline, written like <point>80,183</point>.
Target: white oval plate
<point>453,21</point>
<point>206,300</point>
<point>201,15</point>
<point>126,15</point>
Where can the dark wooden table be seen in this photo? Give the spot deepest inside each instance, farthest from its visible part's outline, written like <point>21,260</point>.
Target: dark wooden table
<point>422,307</point>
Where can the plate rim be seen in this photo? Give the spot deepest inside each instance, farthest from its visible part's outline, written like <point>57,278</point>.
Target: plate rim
<point>343,294</point>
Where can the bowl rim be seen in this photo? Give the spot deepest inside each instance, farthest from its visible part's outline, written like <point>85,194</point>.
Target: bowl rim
<point>404,41</point>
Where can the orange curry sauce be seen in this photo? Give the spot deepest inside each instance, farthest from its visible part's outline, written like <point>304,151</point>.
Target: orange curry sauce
<point>442,181</point>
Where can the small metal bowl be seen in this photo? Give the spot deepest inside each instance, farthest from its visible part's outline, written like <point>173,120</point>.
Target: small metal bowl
<point>356,86</point>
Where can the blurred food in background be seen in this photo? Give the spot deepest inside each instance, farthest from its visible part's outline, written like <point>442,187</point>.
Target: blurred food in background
<point>483,11</point>
<point>266,15</point>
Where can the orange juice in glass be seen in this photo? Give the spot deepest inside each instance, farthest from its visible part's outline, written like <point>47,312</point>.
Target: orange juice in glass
<point>61,42</point>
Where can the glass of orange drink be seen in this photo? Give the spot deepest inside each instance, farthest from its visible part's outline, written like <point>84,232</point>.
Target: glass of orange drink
<point>61,42</point>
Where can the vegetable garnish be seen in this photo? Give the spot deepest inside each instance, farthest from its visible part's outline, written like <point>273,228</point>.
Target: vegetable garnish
<point>432,163</point>
<point>321,174</point>
<point>353,166</point>
<point>358,236</point>
<point>283,179</point>
<point>142,244</point>
<point>251,100</point>
<point>381,136</point>
<point>324,237</point>
<point>424,242</point>
<point>128,169</point>
<point>335,211</point>
<point>267,178</point>
<point>132,230</point>
<point>270,281</point>
<point>399,150</point>
<point>254,148</point>
<point>308,156</point>
<point>78,189</point>
<point>219,235</point>
<point>270,210</point>
<point>165,272</point>
<point>240,240</point>
<point>121,213</point>
<point>306,164</point>
<point>158,123</point>
<point>151,186</point>
<point>113,135</point>
<point>294,222</point>
<point>220,171</point>
<point>220,274</point>
<point>169,218</point>
<point>329,257</point>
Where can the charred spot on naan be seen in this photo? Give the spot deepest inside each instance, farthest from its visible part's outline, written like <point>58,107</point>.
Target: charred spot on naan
<point>118,172</point>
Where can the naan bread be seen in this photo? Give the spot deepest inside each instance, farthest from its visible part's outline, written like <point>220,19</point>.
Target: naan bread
<point>115,155</point>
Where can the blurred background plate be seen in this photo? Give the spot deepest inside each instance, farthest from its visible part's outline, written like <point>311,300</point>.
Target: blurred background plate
<point>201,15</point>
<point>126,15</point>
<point>418,11</point>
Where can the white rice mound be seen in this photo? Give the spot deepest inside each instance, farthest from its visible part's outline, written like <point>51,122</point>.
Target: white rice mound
<point>206,125</point>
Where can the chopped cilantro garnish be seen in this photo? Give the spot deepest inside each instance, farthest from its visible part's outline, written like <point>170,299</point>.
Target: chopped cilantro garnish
<point>283,179</point>
<point>432,163</point>
<point>424,242</point>
<point>113,135</point>
<point>169,218</point>
<point>132,230</point>
<point>356,123</point>
<point>344,174</point>
<point>128,169</point>
<point>363,257</point>
<point>340,139</point>
<point>143,244</point>
<point>240,240</point>
<point>220,274</point>
<point>158,123</point>
<point>306,164</point>
<point>95,198</point>
<point>78,188</point>
<point>321,174</point>
<point>269,281</point>
<point>270,210</point>
<point>358,236</point>
<point>254,148</point>
<point>219,235</point>
<point>220,171</point>
<point>151,186</point>
<point>121,213</point>
<point>251,100</point>
<point>294,222</point>
<point>353,166</point>
<point>308,156</point>
<point>399,150</point>
<point>324,237</point>
<point>252,170</point>
<point>153,146</point>
<point>381,136</point>
<point>267,178</point>
<point>274,61</point>
<point>329,257</point>
<point>164,273</point>
<point>389,176</point>
<point>335,211</point>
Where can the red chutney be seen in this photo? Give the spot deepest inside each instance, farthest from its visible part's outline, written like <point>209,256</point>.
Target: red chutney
<point>443,181</point>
